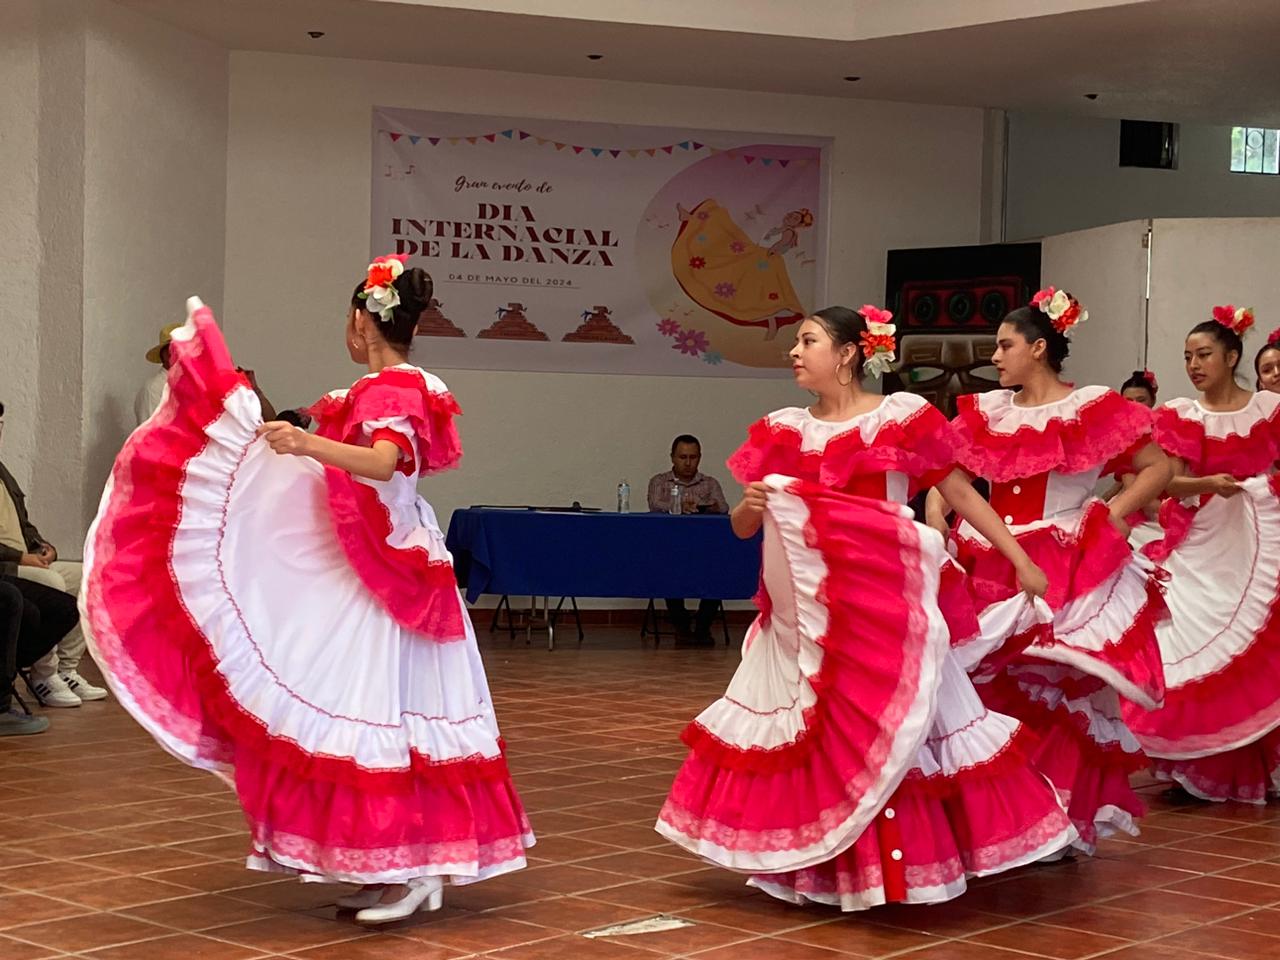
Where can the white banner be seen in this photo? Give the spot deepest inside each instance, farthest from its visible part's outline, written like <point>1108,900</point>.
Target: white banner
<point>588,247</point>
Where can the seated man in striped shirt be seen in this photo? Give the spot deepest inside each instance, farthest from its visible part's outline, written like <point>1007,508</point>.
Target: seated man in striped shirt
<point>698,494</point>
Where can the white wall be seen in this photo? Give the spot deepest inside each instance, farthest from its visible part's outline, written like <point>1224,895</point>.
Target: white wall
<point>19,233</point>
<point>1234,261</point>
<point>154,208</point>
<point>1106,270</point>
<point>297,239</point>
<point>113,165</point>
<point>1063,175</point>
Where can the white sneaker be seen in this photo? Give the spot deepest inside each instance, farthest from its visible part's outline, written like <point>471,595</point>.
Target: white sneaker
<point>54,692</point>
<point>81,687</point>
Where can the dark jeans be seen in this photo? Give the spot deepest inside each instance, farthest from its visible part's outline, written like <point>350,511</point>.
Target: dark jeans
<point>707,610</point>
<point>33,618</point>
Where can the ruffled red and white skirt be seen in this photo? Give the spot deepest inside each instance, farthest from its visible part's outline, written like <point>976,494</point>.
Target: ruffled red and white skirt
<point>1065,681</point>
<point>228,621</point>
<point>1218,734</point>
<point>850,761</point>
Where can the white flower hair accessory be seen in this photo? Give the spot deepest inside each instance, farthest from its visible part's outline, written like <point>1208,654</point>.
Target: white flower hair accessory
<point>879,344</point>
<point>1063,310</point>
<point>379,293</point>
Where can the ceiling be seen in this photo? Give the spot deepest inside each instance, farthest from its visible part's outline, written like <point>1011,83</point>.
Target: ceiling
<point>1211,61</point>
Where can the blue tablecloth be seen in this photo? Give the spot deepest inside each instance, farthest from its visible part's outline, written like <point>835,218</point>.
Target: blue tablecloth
<point>641,555</point>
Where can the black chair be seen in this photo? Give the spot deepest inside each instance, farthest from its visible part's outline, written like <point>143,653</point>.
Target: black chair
<point>653,617</point>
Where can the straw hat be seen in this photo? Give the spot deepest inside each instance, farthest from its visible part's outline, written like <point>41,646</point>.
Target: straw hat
<point>166,335</point>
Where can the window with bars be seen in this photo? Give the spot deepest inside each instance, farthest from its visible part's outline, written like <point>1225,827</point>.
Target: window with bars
<point>1255,150</point>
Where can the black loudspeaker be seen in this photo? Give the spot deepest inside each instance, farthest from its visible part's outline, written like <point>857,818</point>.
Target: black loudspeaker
<point>1149,143</point>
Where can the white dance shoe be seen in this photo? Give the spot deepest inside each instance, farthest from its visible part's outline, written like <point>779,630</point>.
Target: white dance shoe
<point>365,897</point>
<point>424,894</point>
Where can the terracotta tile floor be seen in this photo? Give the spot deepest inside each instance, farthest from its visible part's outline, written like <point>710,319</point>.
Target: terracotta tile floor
<point>112,850</point>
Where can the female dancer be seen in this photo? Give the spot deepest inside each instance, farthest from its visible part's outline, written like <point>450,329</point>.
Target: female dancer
<point>1141,388</point>
<point>1217,735</point>
<point>1266,363</point>
<point>1043,449</point>
<point>291,623</point>
<point>850,761</point>
<point>1144,524</point>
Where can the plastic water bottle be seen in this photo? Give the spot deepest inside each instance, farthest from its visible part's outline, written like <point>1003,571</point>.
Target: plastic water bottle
<point>624,497</point>
<point>674,509</point>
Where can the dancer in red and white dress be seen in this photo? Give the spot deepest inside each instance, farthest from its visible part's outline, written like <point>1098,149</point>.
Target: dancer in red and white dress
<point>1043,450</point>
<point>1218,734</point>
<point>1144,524</point>
<point>291,622</point>
<point>850,761</point>
<point>1266,363</point>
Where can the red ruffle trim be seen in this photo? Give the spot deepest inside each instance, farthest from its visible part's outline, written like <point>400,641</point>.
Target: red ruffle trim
<point>392,393</point>
<point>1004,695</point>
<point>1175,520</point>
<point>923,446</point>
<point>1075,563</point>
<point>1100,431</point>
<point>1010,758</point>
<point>1248,774</point>
<point>1243,693</point>
<point>1240,456</point>
<point>419,592</point>
<point>143,616</point>
<point>842,624</point>
<point>753,798</point>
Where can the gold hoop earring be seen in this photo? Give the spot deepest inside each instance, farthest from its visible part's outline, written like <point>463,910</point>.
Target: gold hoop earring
<point>843,383</point>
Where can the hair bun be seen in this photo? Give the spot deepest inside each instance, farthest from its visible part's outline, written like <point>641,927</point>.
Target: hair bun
<point>415,288</point>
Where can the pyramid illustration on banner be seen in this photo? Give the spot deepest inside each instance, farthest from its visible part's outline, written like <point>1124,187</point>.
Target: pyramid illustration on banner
<point>433,323</point>
<point>597,328</point>
<point>512,324</point>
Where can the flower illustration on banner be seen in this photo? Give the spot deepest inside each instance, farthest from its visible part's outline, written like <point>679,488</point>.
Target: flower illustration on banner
<point>697,263</point>
<point>703,215</point>
<point>774,295</point>
<point>691,342</point>
<point>725,290</point>
<point>737,246</point>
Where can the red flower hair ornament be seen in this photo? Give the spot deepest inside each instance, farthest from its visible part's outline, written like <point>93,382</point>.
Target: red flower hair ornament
<point>1063,310</point>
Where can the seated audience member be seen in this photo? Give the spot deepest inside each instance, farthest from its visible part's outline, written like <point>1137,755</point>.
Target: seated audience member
<point>698,494</point>
<point>151,392</point>
<point>33,618</point>
<point>25,554</point>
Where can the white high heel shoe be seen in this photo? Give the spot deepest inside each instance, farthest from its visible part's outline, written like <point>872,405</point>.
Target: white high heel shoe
<point>366,897</point>
<point>425,894</point>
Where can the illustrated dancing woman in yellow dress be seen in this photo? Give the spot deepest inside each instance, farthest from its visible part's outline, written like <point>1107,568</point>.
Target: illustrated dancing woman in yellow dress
<point>727,273</point>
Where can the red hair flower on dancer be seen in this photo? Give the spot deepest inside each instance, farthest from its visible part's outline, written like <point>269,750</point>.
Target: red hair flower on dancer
<point>379,285</point>
<point>1236,319</point>
<point>878,341</point>
<point>1063,310</point>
